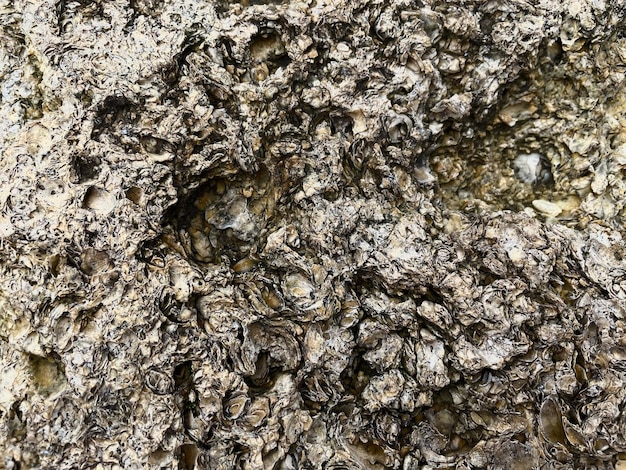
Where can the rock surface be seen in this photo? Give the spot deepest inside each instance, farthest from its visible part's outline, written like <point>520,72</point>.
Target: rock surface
<point>312,234</point>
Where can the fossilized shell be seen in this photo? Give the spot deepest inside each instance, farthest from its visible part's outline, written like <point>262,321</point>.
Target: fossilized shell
<point>398,127</point>
<point>159,381</point>
<point>547,208</point>
<point>236,405</point>
<point>551,422</point>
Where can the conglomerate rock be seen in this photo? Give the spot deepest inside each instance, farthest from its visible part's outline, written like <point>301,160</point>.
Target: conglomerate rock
<point>312,234</point>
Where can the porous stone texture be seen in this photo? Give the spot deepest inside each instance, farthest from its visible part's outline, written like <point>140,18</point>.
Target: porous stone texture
<point>347,234</point>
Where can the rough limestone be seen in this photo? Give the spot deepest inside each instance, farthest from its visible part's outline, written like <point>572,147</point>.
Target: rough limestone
<point>321,234</point>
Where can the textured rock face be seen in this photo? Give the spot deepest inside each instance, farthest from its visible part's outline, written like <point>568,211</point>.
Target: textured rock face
<point>347,234</point>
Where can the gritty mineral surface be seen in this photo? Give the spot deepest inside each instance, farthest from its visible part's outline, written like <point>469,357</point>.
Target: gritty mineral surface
<point>312,234</point>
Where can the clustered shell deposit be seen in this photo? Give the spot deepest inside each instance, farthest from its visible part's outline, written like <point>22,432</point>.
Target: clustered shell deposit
<point>312,234</point>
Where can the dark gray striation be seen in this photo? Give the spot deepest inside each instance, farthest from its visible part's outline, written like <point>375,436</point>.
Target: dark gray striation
<point>323,234</point>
